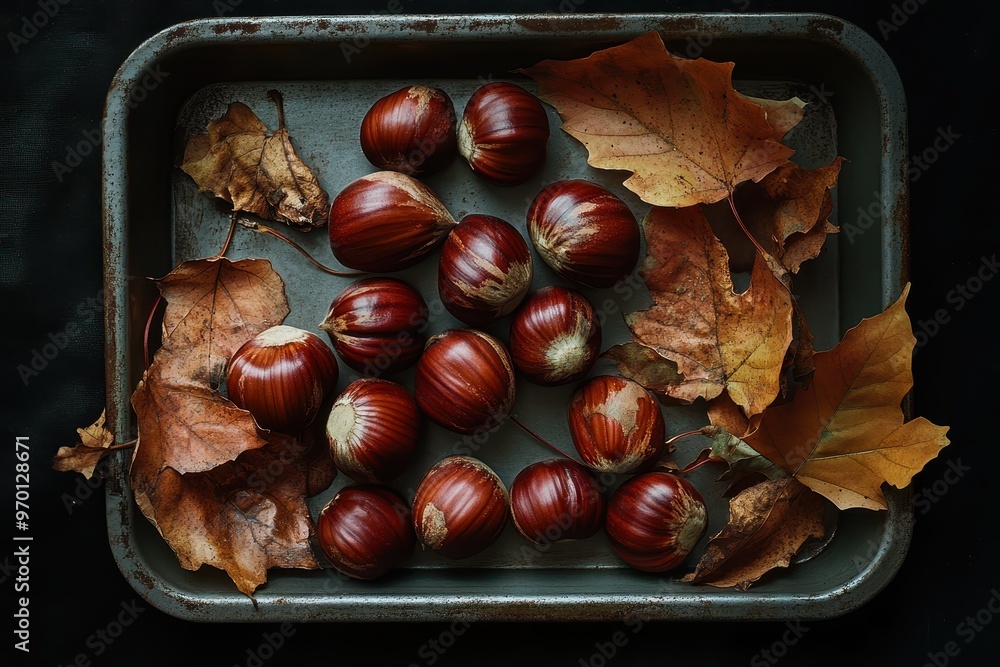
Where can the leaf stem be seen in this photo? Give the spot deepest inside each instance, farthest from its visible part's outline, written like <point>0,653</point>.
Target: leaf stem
<point>257,227</point>
<point>279,102</point>
<point>739,221</point>
<point>540,438</point>
<point>686,434</point>
<point>229,236</point>
<point>145,333</point>
<point>123,445</point>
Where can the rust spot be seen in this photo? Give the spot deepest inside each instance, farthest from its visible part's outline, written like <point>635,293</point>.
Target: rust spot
<point>323,24</point>
<point>427,25</point>
<point>570,23</point>
<point>824,27</point>
<point>246,27</point>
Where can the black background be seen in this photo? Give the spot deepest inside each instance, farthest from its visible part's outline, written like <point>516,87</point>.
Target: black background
<point>53,91</point>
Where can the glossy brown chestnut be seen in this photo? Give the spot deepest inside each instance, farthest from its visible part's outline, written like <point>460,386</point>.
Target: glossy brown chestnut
<point>555,337</point>
<point>386,221</point>
<point>460,507</point>
<point>411,131</point>
<point>503,134</point>
<point>377,325</point>
<point>464,381</point>
<point>366,530</point>
<point>654,521</point>
<point>556,500</point>
<point>584,232</point>
<point>281,376</point>
<point>485,270</point>
<point>373,430</point>
<point>616,425</point>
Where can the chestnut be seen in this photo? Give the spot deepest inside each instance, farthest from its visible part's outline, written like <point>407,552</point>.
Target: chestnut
<point>584,232</point>
<point>411,131</point>
<point>460,507</point>
<point>377,325</point>
<point>365,531</point>
<point>616,425</point>
<point>556,500</point>
<point>555,337</point>
<point>485,270</point>
<point>373,430</point>
<point>464,381</point>
<point>654,521</point>
<point>282,376</point>
<point>386,221</point>
<point>503,133</point>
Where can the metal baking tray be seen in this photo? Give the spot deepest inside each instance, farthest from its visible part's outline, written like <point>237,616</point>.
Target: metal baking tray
<point>330,70</point>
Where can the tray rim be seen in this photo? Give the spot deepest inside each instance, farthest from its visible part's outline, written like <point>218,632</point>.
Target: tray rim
<point>270,607</point>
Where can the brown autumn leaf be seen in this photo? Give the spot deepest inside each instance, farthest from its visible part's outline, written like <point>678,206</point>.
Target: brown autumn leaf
<point>84,456</point>
<point>720,340</point>
<point>257,172</point>
<point>645,366</point>
<point>243,517</point>
<point>788,211</point>
<point>768,524</point>
<point>844,435</point>
<point>678,125</point>
<point>202,472</point>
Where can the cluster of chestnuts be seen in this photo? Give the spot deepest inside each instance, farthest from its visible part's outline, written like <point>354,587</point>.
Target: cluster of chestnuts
<point>465,378</point>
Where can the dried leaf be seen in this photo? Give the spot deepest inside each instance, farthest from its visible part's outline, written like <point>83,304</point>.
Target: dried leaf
<point>243,517</point>
<point>741,457</point>
<point>645,366</point>
<point>787,211</point>
<point>677,124</point>
<point>219,491</point>
<point>782,115</point>
<point>768,523</point>
<point>843,436</point>
<point>256,172</point>
<point>84,457</point>
<point>719,339</point>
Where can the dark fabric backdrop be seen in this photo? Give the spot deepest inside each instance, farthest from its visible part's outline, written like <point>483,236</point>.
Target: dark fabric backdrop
<point>53,89</point>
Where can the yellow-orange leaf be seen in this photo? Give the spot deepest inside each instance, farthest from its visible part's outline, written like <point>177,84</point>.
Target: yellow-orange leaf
<point>84,457</point>
<point>844,435</point>
<point>678,125</point>
<point>719,339</point>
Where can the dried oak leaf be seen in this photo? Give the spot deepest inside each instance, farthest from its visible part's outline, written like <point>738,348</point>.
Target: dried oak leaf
<point>257,172</point>
<point>677,124</point>
<point>717,338</point>
<point>768,523</point>
<point>84,457</point>
<point>197,472</point>
<point>645,366</point>
<point>844,435</point>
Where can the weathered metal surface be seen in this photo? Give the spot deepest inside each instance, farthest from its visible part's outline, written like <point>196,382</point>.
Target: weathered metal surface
<point>329,70</point>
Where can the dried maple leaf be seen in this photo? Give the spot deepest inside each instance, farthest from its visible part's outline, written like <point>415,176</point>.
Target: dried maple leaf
<point>844,435</point>
<point>197,471</point>
<point>260,173</point>
<point>768,523</point>
<point>677,124</point>
<point>719,339</point>
<point>94,444</point>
